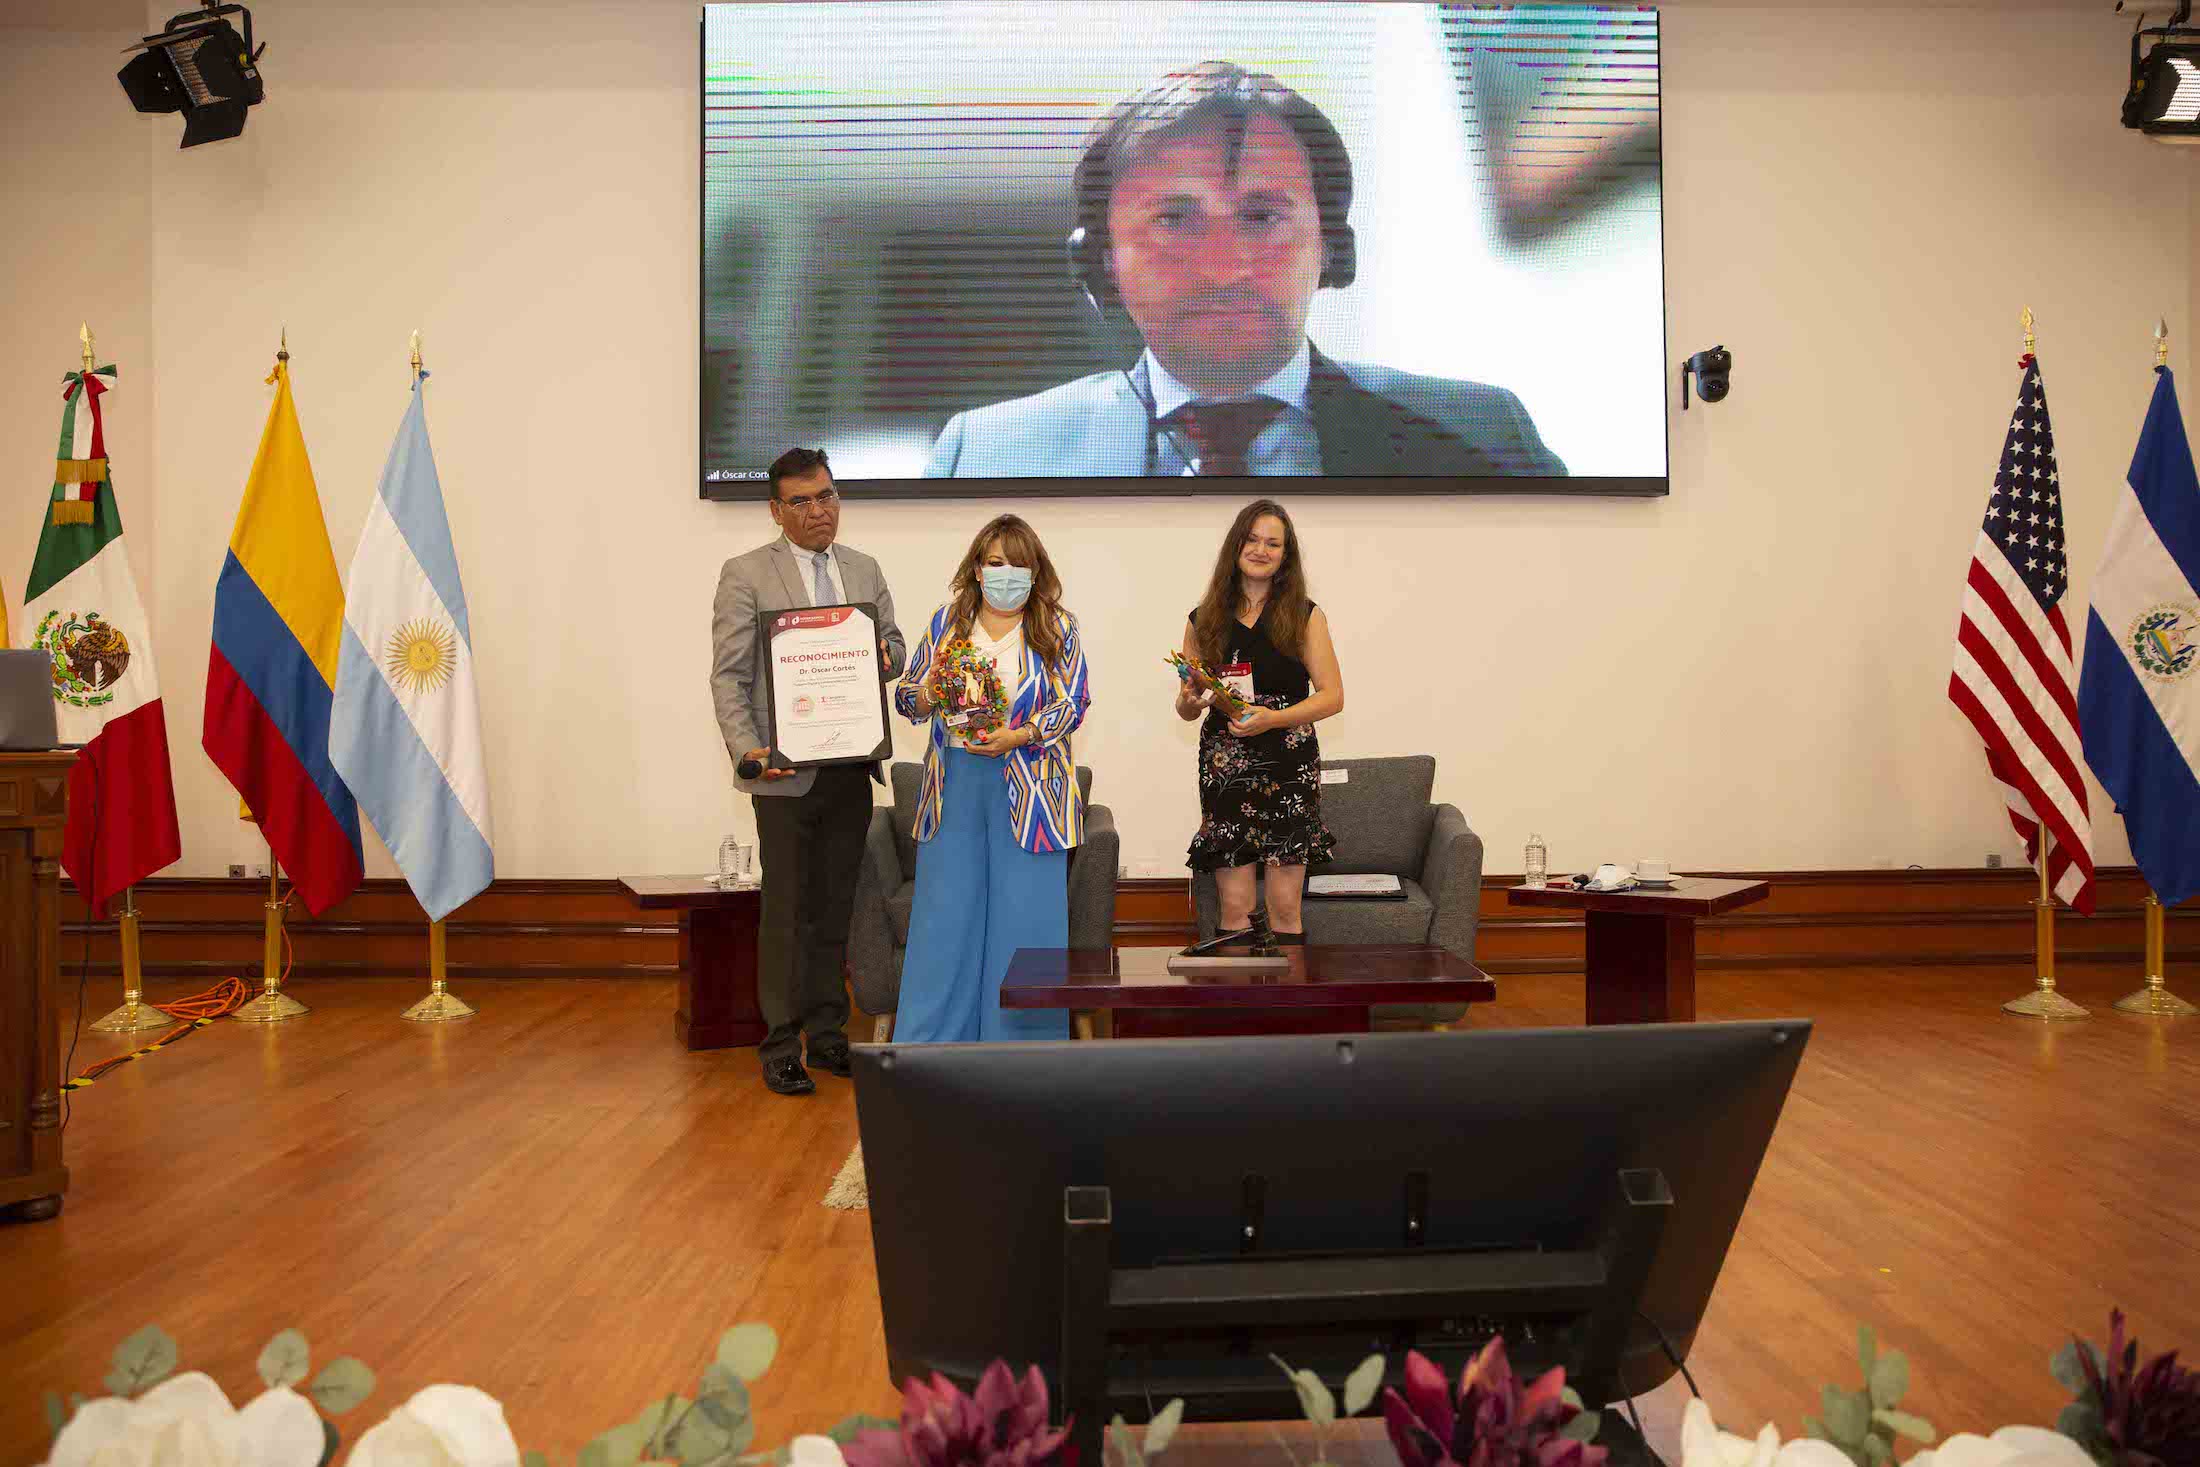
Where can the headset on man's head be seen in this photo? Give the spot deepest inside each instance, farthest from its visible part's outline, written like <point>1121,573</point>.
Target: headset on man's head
<point>1210,88</point>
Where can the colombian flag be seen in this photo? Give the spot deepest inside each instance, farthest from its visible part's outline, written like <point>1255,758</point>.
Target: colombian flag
<point>278,623</point>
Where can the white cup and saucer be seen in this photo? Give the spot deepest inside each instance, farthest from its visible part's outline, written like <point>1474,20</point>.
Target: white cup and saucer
<point>1656,875</point>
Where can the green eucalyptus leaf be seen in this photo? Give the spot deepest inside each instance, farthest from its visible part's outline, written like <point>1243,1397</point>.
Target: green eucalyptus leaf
<point>1162,1428</point>
<point>720,1381</point>
<point>596,1454</point>
<point>534,1459</point>
<point>1848,1418</point>
<point>2081,1422</point>
<point>1877,1452</point>
<point>2066,1370</point>
<point>76,1403</point>
<point>695,1439</point>
<point>1813,1427</point>
<point>1119,1432</point>
<point>1902,1423</point>
<point>144,1360</point>
<point>1583,1428</point>
<point>1890,1378</point>
<point>331,1442</point>
<point>623,1444</point>
<point>57,1415</point>
<point>1314,1399</point>
<point>849,1428</point>
<point>1867,1348</point>
<point>748,1350</point>
<point>341,1385</point>
<point>286,1360</point>
<point>1362,1384</point>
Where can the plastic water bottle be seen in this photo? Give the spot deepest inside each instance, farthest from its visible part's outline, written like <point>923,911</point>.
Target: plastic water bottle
<point>1538,864</point>
<point>729,862</point>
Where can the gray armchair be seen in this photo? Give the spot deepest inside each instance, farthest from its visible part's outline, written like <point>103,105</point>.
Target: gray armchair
<point>1384,822</point>
<point>887,890</point>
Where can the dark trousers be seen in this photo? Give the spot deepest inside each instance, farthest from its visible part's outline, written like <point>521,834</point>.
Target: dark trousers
<point>812,851</point>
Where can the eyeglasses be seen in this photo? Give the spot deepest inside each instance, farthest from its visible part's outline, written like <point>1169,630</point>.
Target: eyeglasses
<point>823,499</point>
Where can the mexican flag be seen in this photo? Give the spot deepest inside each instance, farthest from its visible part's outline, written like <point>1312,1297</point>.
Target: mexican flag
<point>81,608</point>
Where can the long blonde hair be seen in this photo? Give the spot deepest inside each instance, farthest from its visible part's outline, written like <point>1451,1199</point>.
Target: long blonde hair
<point>1288,607</point>
<point>1042,613</point>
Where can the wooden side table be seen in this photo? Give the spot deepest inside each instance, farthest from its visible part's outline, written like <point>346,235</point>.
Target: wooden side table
<point>718,1008</point>
<point>1641,957</point>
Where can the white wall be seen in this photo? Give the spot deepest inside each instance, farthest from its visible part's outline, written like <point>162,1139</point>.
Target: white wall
<point>1747,674</point>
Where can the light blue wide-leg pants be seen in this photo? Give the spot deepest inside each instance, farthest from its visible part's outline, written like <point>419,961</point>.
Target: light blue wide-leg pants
<point>980,896</point>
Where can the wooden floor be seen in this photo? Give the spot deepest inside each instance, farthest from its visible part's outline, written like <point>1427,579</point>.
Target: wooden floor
<point>552,1202</point>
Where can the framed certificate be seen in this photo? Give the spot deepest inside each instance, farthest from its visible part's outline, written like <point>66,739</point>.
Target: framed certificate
<point>822,683</point>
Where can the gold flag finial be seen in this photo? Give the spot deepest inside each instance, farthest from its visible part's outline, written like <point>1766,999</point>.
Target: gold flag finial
<point>416,355</point>
<point>84,334</point>
<point>2161,341</point>
<point>2026,321</point>
<point>282,350</point>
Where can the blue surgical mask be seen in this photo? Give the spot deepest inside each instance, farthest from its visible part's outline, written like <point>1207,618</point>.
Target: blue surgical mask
<point>1007,587</point>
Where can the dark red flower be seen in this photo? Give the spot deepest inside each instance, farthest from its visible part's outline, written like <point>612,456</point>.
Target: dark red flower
<point>1003,1425</point>
<point>2152,1412</point>
<point>1495,1422</point>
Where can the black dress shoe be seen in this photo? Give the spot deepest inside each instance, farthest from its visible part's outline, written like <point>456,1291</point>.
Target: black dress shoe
<point>787,1077</point>
<point>831,1058</point>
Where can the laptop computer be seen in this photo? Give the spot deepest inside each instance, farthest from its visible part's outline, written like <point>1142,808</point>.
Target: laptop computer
<point>26,701</point>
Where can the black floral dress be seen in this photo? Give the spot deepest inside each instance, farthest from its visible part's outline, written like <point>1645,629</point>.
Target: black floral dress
<point>1260,799</point>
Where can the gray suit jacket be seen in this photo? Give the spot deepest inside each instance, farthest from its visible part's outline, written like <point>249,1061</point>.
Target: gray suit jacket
<point>1371,421</point>
<point>768,579</point>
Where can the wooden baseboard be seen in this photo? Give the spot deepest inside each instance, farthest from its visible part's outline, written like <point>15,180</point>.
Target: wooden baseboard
<point>209,928</point>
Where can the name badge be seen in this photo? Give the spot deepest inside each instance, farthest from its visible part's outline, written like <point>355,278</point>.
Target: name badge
<point>1238,678</point>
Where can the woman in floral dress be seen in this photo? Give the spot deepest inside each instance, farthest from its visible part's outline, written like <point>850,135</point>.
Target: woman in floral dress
<point>1260,775</point>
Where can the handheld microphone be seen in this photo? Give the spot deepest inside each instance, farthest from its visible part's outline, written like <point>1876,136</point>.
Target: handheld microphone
<point>748,768</point>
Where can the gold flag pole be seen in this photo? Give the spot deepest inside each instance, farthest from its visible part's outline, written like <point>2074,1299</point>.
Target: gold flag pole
<point>440,1006</point>
<point>135,1014</point>
<point>2154,998</point>
<point>273,1004</point>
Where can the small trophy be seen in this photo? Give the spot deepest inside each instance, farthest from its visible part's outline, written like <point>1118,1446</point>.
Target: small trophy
<point>967,692</point>
<point>1259,956</point>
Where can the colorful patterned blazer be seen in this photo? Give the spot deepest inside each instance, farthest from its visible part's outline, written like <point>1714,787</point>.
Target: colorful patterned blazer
<point>1044,802</point>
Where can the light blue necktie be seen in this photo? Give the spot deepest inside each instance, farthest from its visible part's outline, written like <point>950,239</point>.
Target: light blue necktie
<point>821,585</point>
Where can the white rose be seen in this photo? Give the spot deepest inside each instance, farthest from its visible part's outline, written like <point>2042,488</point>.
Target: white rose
<point>186,1421</point>
<point>2012,1446</point>
<point>1704,1445</point>
<point>442,1426</point>
<point>815,1451</point>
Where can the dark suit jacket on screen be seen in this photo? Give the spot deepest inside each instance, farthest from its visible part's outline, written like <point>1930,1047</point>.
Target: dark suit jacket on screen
<point>1372,421</point>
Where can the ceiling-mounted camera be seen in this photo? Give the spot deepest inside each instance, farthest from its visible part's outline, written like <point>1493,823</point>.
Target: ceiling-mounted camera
<point>1711,370</point>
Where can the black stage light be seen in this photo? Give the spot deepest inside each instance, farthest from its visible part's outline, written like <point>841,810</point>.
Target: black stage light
<point>198,65</point>
<point>2163,100</point>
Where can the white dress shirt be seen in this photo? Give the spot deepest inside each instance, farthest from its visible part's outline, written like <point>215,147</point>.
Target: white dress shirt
<point>804,563</point>
<point>1288,445</point>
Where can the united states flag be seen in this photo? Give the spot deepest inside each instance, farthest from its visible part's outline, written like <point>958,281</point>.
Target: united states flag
<point>2013,676</point>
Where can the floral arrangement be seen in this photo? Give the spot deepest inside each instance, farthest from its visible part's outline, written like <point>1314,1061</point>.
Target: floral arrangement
<point>2123,1415</point>
<point>968,687</point>
<point>1199,675</point>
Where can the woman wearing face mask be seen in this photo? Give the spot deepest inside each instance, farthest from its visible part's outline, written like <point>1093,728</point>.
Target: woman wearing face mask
<point>1260,798</point>
<point>998,814</point>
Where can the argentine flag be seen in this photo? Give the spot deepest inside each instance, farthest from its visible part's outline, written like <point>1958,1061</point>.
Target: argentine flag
<point>405,732</point>
<point>2139,689</point>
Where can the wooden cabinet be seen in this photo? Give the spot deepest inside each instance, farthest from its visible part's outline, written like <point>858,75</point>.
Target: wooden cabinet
<point>34,802</point>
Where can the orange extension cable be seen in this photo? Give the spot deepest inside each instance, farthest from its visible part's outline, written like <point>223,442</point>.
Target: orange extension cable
<point>195,1013</point>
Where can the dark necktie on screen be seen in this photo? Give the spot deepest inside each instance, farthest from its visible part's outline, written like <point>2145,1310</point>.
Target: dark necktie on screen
<point>821,583</point>
<point>1222,432</point>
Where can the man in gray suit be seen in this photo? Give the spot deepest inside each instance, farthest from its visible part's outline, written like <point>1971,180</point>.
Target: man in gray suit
<point>810,823</point>
<point>1210,208</point>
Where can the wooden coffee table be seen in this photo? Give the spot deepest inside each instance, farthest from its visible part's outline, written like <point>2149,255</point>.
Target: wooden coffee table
<point>1641,948</point>
<point>717,1008</point>
<point>1328,990</point>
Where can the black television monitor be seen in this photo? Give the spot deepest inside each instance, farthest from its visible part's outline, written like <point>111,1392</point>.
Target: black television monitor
<point>982,247</point>
<point>1505,1148</point>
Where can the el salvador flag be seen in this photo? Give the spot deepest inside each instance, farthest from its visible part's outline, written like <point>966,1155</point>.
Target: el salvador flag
<point>2139,688</point>
<point>406,728</point>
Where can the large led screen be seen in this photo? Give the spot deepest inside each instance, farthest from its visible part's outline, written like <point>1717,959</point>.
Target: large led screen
<point>984,248</point>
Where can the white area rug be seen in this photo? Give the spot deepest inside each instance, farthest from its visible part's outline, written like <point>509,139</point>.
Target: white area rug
<point>848,1191</point>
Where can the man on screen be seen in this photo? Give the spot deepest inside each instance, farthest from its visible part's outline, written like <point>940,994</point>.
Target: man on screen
<point>1210,208</point>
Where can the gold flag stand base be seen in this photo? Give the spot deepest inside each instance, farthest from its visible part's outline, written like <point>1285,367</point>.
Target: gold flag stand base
<point>273,1005</point>
<point>440,1006</point>
<point>2154,999</point>
<point>2043,1002</point>
<point>135,1015</point>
